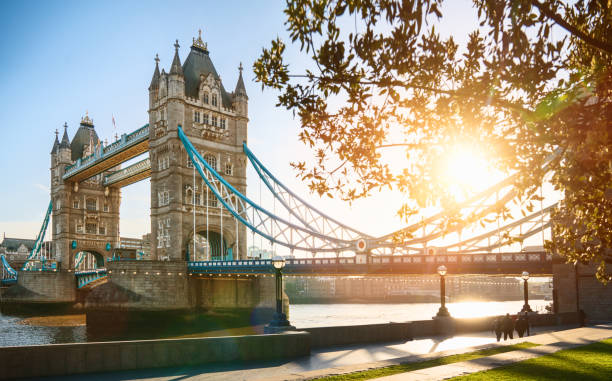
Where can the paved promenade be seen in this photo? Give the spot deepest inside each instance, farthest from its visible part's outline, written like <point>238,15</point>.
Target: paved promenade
<point>330,361</point>
<point>549,343</point>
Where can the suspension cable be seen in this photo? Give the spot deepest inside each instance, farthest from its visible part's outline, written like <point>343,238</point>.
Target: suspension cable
<point>193,190</point>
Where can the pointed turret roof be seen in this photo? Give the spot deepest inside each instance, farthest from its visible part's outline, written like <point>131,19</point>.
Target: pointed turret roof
<point>198,63</point>
<point>240,89</point>
<point>65,140</point>
<point>55,143</point>
<point>176,67</point>
<point>83,137</point>
<point>155,79</point>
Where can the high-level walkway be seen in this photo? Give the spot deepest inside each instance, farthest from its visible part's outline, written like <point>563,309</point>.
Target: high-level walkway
<point>330,361</point>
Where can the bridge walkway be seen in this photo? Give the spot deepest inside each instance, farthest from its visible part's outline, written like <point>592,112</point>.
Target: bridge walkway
<point>127,147</point>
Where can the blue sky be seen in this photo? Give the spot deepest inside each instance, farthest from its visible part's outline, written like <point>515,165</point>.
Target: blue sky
<point>59,59</point>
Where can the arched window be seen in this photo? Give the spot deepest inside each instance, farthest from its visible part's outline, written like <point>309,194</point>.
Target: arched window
<point>214,99</point>
<point>228,169</point>
<point>210,159</point>
<point>188,195</point>
<point>205,97</point>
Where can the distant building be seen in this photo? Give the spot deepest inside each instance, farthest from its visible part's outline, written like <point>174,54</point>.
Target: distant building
<point>135,248</point>
<point>17,250</point>
<point>255,252</point>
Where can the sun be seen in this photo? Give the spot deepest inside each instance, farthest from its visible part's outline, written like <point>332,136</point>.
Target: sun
<point>465,170</point>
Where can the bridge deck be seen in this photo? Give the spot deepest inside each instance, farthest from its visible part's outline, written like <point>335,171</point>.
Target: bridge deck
<point>512,264</point>
<point>129,175</point>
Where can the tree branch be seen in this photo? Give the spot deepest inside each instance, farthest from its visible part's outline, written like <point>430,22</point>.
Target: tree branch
<point>397,83</point>
<point>606,47</point>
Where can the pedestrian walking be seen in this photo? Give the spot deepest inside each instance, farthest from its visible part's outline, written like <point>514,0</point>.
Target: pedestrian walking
<point>498,327</point>
<point>508,327</point>
<point>521,325</point>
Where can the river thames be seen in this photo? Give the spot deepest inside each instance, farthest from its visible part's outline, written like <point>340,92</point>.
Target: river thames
<point>13,333</point>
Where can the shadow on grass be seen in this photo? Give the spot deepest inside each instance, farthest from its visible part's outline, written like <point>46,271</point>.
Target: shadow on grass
<point>590,362</point>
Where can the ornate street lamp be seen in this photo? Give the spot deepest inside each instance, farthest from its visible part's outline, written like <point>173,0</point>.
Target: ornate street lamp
<point>525,276</point>
<point>442,312</point>
<point>279,322</point>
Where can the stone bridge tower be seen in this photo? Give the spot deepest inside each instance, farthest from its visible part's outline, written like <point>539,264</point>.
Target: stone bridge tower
<point>193,96</point>
<point>86,214</point>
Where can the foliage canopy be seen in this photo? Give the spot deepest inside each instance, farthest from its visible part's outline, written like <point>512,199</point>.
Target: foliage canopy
<point>532,78</point>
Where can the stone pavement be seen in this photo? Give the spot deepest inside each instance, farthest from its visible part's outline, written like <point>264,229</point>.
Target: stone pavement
<point>323,362</point>
<point>549,343</point>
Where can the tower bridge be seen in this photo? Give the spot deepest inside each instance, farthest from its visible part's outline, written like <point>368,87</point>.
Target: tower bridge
<point>197,155</point>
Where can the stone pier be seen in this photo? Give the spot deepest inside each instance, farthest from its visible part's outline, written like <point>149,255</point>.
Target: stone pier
<point>40,291</point>
<point>161,296</point>
<point>576,288</point>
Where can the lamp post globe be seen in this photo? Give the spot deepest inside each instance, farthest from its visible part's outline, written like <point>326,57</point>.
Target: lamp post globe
<point>526,307</point>
<point>442,312</point>
<point>278,263</point>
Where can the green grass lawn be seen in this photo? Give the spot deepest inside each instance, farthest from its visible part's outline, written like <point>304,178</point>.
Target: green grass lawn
<point>589,362</point>
<point>401,368</point>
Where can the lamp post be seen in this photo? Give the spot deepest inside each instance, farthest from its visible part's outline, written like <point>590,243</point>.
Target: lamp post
<point>442,312</point>
<point>525,276</point>
<point>279,322</point>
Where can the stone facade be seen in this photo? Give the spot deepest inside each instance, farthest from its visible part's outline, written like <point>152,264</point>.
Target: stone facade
<point>42,287</point>
<point>86,213</point>
<point>594,298</point>
<point>192,96</point>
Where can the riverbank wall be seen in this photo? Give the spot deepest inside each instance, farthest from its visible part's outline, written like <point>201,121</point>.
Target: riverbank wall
<point>67,359</point>
<point>322,337</point>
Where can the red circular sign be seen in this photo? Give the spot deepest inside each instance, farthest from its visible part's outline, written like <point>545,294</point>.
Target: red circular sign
<point>361,244</point>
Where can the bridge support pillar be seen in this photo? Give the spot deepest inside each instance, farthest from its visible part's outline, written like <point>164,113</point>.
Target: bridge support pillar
<point>576,288</point>
<point>160,298</point>
<point>38,288</point>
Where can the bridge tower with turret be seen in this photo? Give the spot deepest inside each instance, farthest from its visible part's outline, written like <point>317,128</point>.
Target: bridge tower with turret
<point>192,95</point>
<point>85,214</point>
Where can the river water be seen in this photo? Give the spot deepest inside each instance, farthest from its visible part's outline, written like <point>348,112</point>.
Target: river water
<point>12,333</point>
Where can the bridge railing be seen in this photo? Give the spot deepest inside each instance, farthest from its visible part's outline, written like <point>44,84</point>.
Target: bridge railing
<point>239,266</point>
<point>85,277</point>
<point>127,140</point>
<point>90,271</point>
<point>444,258</point>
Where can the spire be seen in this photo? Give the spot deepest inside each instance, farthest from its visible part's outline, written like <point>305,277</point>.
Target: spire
<point>155,79</point>
<point>240,89</point>
<point>56,143</point>
<point>86,120</point>
<point>176,67</point>
<point>65,141</point>
<point>198,43</point>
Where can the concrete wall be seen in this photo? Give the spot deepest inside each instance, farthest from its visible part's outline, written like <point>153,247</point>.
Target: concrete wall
<point>361,334</point>
<point>65,359</point>
<point>42,287</point>
<point>377,333</point>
